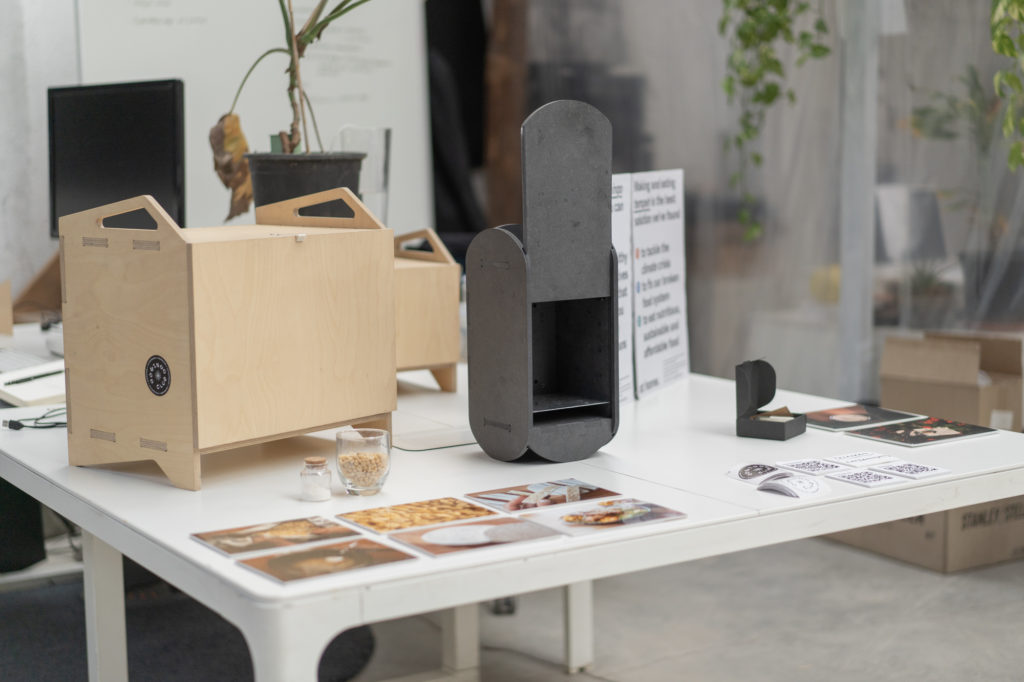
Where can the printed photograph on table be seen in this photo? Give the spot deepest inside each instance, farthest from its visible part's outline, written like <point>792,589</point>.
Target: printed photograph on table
<point>922,431</point>
<point>550,493</point>
<point>602,516</point>
<point>273,535</point>
<point>325,560</point>
<point>416,514</point>
<point>855,417</point>
<point>460,537</point>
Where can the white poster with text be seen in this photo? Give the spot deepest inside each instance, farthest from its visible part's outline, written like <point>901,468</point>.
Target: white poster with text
<point>661,348</point>
<point>622,240</point>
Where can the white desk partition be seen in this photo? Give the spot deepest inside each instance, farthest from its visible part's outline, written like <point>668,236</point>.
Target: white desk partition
<point>672,449</point>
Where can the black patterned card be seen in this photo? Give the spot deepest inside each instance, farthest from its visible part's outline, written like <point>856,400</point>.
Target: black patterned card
<point>922,431</point>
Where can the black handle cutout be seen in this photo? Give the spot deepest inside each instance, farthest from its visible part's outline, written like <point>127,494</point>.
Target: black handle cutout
<point>139,219</point>
<point>335,208</point>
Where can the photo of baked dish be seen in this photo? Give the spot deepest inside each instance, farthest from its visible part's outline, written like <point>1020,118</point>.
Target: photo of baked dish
<point>459,537</point>
<point>603,516</point>
<point>854,417</point>
<point>416,514</point>
<point>325,560</point>
<point>273,535</point>
<point>545,494</point>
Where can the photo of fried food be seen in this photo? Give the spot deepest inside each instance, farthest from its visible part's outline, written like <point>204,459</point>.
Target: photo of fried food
<point>416,514</point>
<point>602,516</point>
<point>606,513</point>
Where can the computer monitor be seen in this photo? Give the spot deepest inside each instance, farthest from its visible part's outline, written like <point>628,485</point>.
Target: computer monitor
<point>115,141</point>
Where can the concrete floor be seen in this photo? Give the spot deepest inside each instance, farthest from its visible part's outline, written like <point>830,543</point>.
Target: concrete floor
<point>807,610</point>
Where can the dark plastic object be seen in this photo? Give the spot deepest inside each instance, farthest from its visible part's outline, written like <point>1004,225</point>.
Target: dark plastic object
<point>276,177</point>
<point>541,299</point>
<point>755,387</point>
<point>21,529</point>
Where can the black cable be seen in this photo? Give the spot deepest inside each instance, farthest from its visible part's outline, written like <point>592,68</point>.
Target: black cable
<point>439,447</point>
<point>47,420</point>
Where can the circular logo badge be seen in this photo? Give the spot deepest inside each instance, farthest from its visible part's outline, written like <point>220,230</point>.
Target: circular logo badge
<point>158,375</point>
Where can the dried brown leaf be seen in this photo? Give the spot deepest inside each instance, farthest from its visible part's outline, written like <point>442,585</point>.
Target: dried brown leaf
<point>229,148</point>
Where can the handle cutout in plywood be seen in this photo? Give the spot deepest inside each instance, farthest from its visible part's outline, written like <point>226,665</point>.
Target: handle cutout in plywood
<point>327,209</point>
<point>141,213</point>
<point>297,212</point>
<point>409,246</point>
<point>139,219</point>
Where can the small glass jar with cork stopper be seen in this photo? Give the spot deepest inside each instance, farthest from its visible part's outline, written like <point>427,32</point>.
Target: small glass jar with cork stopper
<point>316,480</point>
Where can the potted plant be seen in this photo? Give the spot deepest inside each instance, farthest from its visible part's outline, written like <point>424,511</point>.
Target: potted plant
<point>755,78</point>
<point>284,172</point>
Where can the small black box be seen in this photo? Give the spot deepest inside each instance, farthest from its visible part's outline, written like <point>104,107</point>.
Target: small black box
<point>755,387</point>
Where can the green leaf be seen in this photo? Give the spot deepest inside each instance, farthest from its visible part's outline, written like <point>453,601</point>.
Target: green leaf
<point>791,96</point>
<point>768,94</point>
<point>756,159</point>
<point>818,50</point>
<point>1008,122</point>
<point>820,26</point>
<point>753,232</point>
<point>997,82</point>
<point>729,85</point>
<point>773,65</point>
<point>1014,81</point>
<point>1016,155</point>
<point>1003,45</point>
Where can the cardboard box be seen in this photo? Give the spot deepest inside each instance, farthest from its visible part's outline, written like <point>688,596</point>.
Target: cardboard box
<point>948,541</point>
<point>966,377</point>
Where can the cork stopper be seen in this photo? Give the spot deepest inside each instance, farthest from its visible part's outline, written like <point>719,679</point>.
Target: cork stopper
<point>316,461</point>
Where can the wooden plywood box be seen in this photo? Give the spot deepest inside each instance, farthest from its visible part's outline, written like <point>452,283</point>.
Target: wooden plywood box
<point>181,342</point>
<point>427,308</point>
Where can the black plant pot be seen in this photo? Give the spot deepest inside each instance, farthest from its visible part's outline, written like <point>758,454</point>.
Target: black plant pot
<point>276,177</point>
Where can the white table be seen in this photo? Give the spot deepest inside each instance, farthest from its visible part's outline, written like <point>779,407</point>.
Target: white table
<point>672,449</point>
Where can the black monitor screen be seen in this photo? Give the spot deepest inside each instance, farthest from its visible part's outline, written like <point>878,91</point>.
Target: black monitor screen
<point>113,142</point>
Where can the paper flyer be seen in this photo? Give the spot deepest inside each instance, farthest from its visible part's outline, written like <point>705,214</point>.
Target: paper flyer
<point>622,240</point>
<point>661,347</point>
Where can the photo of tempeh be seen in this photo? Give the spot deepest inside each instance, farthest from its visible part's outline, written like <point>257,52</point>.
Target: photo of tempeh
<point>415,514</point>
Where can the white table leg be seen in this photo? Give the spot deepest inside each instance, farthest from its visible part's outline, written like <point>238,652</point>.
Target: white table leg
<point>579,625</point>
<point>460,638</point>
<point>103,580</point>
<point>284,645</point>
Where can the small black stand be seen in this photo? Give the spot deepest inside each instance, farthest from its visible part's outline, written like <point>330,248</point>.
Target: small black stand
<point>541,299</point>
<point>755,387</point>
